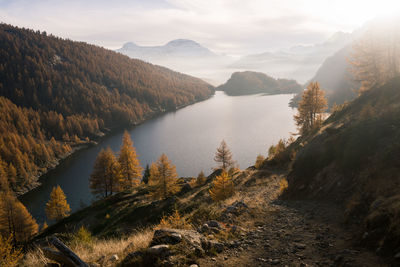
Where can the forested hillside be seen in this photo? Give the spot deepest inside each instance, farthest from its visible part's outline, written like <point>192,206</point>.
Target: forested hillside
<point>250,82</point>
<point>58,93</point>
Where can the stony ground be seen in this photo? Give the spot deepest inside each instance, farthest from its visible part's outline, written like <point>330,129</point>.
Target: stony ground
<point>289,233</point>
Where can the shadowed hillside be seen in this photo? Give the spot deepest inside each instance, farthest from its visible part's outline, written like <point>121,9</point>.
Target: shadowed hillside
<point>354,161</point>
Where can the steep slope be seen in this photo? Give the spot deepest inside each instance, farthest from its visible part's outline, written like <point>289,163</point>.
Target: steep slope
<point>335,79</point>
<point>354,161</point>
<point>71,92</point>
<point>248,82</point>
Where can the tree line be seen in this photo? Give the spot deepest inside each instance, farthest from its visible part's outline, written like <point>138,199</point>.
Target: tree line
<point>114,173</point>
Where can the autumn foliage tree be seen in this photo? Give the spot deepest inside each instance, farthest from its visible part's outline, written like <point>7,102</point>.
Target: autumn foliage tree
<point>106,176</point>
<point>259,161</point>
<point>57,93</point>
<point>311,108</point>
<point>201,178</point>
<point>15,220</point>
<point>57,206</point>
<point>9,254</point>
<point>131,172</point>
<point>223,156</point>
<point>222,187</point>
<point>163,178</point>
<point>376,55</point>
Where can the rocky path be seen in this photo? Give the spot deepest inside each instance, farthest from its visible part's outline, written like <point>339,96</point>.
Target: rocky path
<point>290,233</point>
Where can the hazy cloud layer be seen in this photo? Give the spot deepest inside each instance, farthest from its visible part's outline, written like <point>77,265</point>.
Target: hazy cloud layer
<point>235,27</point>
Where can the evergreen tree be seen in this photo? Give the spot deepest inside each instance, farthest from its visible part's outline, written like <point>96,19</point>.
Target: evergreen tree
<point>376,56</point>
<point>4,185</point>
<point>106,175</point>
<point>129,163</point>
<point>311,108</point>
<point>259,161</point>
<point>15,219</point>
<point>12,175</point>
<point>57,206</point>
<point>146,174</point>
<point>163,177</point>
<point>9,255</point>
<point>222,187</point>
<point>224,156</point>
<point>201,178</point>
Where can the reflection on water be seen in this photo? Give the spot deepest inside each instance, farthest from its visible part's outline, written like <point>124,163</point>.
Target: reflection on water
<point>189,137</point>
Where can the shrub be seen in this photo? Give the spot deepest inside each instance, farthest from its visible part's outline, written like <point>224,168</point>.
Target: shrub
<point>283,185</point>
<point>175,220</point>
<point>259,161</point>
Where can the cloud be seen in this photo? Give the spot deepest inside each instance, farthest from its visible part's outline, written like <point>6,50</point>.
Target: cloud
<point>229,26</point>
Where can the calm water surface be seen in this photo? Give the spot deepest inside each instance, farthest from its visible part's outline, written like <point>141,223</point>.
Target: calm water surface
<point>189,137</point>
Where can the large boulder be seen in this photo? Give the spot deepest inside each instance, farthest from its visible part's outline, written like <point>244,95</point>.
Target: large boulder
<point>175,236</point>
<point>159,250</point>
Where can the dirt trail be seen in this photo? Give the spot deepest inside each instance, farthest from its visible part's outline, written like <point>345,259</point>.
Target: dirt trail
<point>289,233</point>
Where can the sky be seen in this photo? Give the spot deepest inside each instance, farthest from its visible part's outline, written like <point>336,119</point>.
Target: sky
<point>233,27</point>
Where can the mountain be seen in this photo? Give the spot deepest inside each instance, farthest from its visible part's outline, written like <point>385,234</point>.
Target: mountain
<point>299,62</point>
<point>248,82</point>
<point>183,55</point>
<point>58,94</point>
<point>353,161</point>
<point>335,78</point>
<point>181,48</point>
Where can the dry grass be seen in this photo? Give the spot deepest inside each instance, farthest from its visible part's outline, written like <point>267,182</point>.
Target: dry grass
<point>109,247</point>
<point>33,258</point>
<point>99,250</point>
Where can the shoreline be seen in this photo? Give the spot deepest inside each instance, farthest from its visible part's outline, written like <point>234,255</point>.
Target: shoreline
<point>38,179</point>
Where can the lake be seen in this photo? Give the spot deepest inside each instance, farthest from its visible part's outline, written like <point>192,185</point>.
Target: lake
<point>189,137</point>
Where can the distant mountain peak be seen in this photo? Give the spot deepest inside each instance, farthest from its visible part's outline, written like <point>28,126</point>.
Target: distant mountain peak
<point>182,42</point>
<point>129,45</point>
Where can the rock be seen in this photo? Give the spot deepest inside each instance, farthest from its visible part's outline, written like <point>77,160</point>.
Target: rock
<point>274,261</point>
<point>365,235</point>
<point>133,255</point>
<point>262,259</point>
<point>166,236</point>
<point>215,245</point>
<point>235,209</point>
<point>214,230</point>
<point>204,229</point>
<point>219,247</point>
<point>213,259</point>
<point>194,265</point>
<point>114,258</point>
<point>300,246</point>
<point>397,256</point>
<point>159,250</point>
<point>214,223</point>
